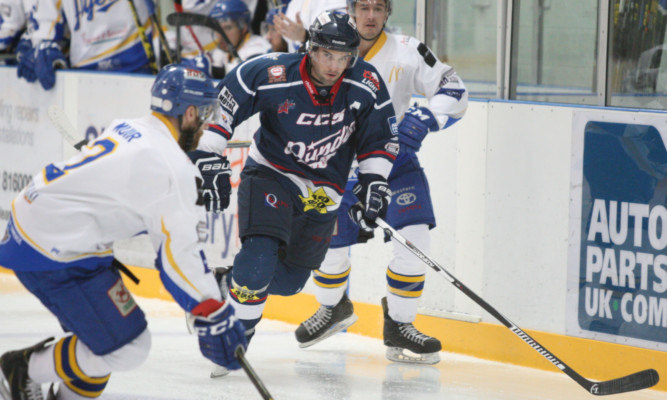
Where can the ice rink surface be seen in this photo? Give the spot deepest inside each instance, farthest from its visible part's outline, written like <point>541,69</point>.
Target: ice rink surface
<point>346,366</point>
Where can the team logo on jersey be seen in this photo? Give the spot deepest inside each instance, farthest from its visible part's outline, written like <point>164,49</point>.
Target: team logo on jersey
<point>317,201</point>
<point>88,8</point>
<point>277,74</point>
<point>320,119</point>
<point>371,80</point>
<point>286,106</point>
<point>317,154</point>
<point>121,298</point>
<point>227,100</point>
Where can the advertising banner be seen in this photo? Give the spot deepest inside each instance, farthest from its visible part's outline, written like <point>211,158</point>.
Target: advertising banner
<point>617,277</point>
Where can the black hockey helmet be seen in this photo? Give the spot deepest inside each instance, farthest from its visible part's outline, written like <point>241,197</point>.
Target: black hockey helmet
<point>334,31</point>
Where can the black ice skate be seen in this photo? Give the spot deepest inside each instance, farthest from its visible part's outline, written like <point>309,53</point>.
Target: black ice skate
<point>406,344</point>
<point>15,383</point>
<point>325,322</point>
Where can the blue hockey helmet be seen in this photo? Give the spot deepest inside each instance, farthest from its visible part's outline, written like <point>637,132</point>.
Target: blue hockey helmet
<point>334,31</point>
<point>231,10</point>
<point>177,87</point>
<point>352,10</point>
<point>268,19</point>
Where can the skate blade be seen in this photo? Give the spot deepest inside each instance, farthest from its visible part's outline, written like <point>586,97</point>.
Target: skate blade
<point>398,354</point>
<point>344,324</point>
<point>219,372</point>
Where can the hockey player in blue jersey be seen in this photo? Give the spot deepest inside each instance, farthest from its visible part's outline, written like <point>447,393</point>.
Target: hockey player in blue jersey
<point>135,178</point>
<point>409,68</point>
<point>319,112</point>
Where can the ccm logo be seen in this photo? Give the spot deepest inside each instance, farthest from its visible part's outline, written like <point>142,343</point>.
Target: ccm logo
<point>320,119</point>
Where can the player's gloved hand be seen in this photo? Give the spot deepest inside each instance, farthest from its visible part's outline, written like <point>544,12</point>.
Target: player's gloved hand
<point>48,58</point>
<point>25,56</point>
<point>219,332</point>
<point>374,197</point>
<point>201,63</point>
<point>216,171</point>
<point>416,123</point>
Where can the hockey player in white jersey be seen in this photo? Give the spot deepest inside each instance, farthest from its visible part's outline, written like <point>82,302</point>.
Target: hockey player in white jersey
<point>102,36</point>
<point>12,23</point>
<point>135,178</point>
<point>408,67</point>
<point>234,18</point>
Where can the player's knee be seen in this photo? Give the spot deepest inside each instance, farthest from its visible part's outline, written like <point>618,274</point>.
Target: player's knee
<point>130,356</point>
<point>336,261</point>
<point>255,264</point>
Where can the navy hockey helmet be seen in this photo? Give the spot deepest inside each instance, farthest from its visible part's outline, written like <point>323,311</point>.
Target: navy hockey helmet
<point>334,31</point>
<point>352,10</point>
<point>231,10</point>
<point>177,87</point>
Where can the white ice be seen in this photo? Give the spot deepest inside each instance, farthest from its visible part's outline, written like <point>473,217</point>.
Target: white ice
<point>346,366</point>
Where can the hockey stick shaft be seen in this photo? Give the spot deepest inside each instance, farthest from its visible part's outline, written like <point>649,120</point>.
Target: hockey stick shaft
<point>158,27</point>
<point>178,7</point>
<point>187,19</point>
<point>252,375</point>
<point>148,46</point>
<point>640,380</point>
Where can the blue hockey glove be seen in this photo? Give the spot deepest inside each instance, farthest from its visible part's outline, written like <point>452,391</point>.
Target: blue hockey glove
<point>48,58</point>
<point>374,195</point>
<point>216,171</point>
<point>219,332</point>
<point>416,123</point>
<point>25,56</point>
<point>200,63</point>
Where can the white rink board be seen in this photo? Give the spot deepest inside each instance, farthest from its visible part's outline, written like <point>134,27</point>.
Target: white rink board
<point>500,181</point>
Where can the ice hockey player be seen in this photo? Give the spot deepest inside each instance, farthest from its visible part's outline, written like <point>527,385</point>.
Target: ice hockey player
<point>269,32</point>
<point>134,178</point>
<point>234,18</point>
<point>102,36</point>
<point>408,67</point>
<point>318,112</point>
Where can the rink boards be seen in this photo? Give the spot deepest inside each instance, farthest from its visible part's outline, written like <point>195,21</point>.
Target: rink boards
<point>523,192</point>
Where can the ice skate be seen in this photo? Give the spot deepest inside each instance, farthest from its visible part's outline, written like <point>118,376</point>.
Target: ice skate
<point>325,322</point>
<point>406,344</point>
<point>15,383</point>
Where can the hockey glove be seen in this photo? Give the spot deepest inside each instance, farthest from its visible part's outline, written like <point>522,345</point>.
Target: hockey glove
<point>219,332</point>
<point>48,58</point>
<point>216,171</point>
<point>416,123</point>
<point>374,195</point>
<point>25,55</point>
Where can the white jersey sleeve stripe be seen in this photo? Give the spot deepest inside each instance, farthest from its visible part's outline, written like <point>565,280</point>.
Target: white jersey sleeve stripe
<point>172,261</point>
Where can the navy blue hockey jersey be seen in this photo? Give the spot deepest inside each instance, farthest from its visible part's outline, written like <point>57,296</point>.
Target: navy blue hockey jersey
<point>309,138</point>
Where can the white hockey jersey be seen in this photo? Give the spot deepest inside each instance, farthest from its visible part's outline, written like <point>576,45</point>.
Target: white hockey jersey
<point>133,179</point>
<point>103,35</point>
<point>251,46</point>
<point>408,67</point>
<point>13,18</point>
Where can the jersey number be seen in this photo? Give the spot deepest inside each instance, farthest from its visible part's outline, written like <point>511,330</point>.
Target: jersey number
<point>104,147</point>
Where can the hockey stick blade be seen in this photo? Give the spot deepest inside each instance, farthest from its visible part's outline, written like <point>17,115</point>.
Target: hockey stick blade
<point>637,381</point>
<point>64,127</point>
<point>252,375</point>
<point>187,18</point>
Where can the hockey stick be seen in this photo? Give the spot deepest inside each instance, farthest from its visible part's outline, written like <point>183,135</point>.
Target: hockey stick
<point>187,18</point>
<point>637,381</point>
<point>254,378</point>
<point>156,25</point>
<point>148,46</point>
<point>64,126</point>
<point>178,7</point>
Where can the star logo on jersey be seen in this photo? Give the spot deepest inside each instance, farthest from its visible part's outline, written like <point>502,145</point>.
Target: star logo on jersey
<point>243,294</point>
<point>317,201</point>
<point>286,106</point>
